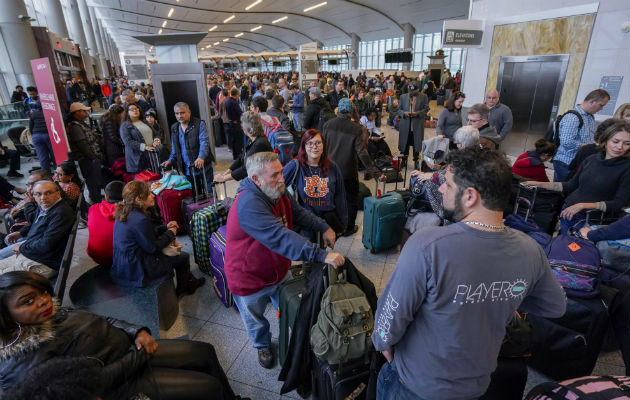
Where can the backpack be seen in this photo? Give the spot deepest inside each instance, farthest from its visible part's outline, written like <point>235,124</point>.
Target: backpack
<point>575,263</point>
<point>280,139</point>
<point>552,134</point>
<point>584,388</point>
<point>325,115</point>
<point>345,322</point>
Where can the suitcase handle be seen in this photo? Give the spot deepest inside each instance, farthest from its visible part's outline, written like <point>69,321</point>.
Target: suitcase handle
<point>377,192</point>
<point>199,196</point>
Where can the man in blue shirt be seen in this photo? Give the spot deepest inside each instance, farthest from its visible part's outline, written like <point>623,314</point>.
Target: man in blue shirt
<point>298,107</point>
<point>576,129</point>
<point>190,146</point>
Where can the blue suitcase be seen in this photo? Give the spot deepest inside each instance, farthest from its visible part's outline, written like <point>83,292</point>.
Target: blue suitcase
<point>383,220</point>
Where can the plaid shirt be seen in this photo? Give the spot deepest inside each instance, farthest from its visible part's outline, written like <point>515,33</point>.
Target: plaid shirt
<point>571,138</point>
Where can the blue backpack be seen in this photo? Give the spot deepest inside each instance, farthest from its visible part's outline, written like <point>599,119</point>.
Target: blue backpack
<point>280,139</point>
<point>575,263</point>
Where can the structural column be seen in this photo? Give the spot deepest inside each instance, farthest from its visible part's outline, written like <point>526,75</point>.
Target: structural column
<point>99,43</point>
<point>19,40</point>
<point>80,20</point>
<point>354,57</point>
<point>55,19</point>
<point>408,33</point>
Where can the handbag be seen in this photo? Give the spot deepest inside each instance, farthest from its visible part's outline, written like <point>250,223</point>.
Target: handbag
<point>173,249</point>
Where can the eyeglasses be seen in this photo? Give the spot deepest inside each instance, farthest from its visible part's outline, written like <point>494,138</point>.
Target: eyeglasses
<point>472,121</point>
<point>313,144</point>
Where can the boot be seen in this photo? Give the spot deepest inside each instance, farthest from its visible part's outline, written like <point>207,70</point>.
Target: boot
<point>187,283</point>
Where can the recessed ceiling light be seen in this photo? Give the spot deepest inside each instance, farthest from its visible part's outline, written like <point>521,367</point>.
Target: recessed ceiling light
<point>160,32</point>
<point>315,6</point>
<point>215,43</point>
<point>253,4</point>
<point>213,28</point>
<point>170,12</point>
<point>164,24</point>
<point>208,46</point>
<point>239,34</point>
<point>226,39</point>
<point>228,19</point>
<point>279,20</point>
<point>256,28</point>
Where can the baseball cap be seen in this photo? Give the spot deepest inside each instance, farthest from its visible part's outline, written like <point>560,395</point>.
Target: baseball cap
<point>315,91</point>
<point>78,106</point>
<point>345,106</point>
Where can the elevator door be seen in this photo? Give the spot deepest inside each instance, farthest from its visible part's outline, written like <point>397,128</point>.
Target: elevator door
<point>531,87</point>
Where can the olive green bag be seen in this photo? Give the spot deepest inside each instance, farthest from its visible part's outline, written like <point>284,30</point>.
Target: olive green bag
<point>345,322</point>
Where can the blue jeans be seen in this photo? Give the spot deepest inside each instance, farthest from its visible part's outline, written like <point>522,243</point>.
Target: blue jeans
<point>298,118</point>
<point>252,309</point>
<point>44,151</point>
<point>560,171</point>
<point>390,387</point>
<point>577,221</point>
<point>8,251</point>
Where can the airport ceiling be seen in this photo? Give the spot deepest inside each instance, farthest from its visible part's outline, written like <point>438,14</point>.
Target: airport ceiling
<point>264,26</point>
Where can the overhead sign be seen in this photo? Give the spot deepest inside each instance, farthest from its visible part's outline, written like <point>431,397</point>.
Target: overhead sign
<point>462,33</point>
<point>136,68</point>
<point>308,67</point>
<point>611,84</point>
<point>50,106</point>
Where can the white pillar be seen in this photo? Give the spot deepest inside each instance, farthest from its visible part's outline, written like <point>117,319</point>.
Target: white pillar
<point>81,25</point>
<point>55,20</point>
<point>409,31</point>
<point>99,43</point>
<point>19,40</point>
<point>354,59</point>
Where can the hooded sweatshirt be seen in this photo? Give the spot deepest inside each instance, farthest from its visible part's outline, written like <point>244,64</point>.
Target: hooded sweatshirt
<point>260,242</point>
<point>528,165</point>
<point>101,232</point>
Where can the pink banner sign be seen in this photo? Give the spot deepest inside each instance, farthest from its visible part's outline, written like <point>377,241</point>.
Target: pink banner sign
<point>50,106</point>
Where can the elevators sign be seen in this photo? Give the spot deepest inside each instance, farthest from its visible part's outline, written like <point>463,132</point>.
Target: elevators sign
<point>50,106</point>
<point>309,67</point>
<point>462,33</point>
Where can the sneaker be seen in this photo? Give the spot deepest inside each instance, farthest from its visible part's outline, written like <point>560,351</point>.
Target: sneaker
<point>14,174</point>
<point>350,231</point>
<point>265,358</point>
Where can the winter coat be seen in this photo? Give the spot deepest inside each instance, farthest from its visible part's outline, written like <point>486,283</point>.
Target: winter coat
<point>76,333</point>
<point>101,232</point>
<point>138,260</point>
<point>416,123</point>
<point>135,156</point>
<point>114,146</point>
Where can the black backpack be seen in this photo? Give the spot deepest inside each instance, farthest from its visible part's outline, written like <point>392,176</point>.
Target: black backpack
<point>552,134</point>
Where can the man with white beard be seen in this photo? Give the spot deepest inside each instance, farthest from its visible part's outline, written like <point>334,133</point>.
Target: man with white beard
<point>260,244</point>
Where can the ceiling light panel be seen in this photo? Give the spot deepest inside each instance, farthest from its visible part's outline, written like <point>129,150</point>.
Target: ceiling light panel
<point>160,32</point>
<point>164,24</point>
<point>226,39</point>
<point>170,13</point>
<point>315,6</point>
<point>254,4</point>
<point>239,34</point>
<point>228,19</point>
<point>255,28</point>
<point>213,28</point>
<point>279,20</point>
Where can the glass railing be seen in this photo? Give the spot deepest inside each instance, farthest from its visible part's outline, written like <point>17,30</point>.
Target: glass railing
<point>13,111</point>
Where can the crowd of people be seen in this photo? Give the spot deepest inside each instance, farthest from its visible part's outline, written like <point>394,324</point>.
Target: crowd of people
<point>441,288</point>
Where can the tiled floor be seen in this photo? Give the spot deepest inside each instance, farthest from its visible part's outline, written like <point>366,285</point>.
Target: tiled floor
<point>203,317</point>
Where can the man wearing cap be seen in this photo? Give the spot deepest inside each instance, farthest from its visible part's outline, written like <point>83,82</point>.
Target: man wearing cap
<point>86,145</point>
<point>101,225</point>
<point>346,141</point>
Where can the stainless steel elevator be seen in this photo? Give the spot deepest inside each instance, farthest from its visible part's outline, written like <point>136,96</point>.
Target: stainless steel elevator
<point>531,86</point>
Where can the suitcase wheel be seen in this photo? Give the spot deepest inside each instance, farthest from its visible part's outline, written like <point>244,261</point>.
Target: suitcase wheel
<point>373,251</point>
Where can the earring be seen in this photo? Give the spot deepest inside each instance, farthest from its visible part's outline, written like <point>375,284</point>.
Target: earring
<point>16,338</point>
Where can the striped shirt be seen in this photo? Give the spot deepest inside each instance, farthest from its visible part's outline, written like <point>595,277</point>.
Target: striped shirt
<point>572,138</point>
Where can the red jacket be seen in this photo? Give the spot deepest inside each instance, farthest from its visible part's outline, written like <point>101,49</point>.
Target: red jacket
<point>101,232</point>
<point>528,165</point>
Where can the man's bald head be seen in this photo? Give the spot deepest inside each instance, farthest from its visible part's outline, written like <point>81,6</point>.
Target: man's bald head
<point>492,98</point>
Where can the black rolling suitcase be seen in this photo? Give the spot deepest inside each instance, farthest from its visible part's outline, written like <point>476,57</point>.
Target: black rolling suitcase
<point>567,347</point>
<point>331,382</point>
<point>545,205</point>
<point>219,134</point>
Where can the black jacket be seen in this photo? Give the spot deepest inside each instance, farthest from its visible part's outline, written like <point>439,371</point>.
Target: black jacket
<point>346,143</point>
<point>238,169</point>
<point>334,97</point>
<point>114,146</point>
<point>311,115</point>
<point>37,123</point>
<point>296,370</point>
<point>74,333</point>
<point>46,239</point>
